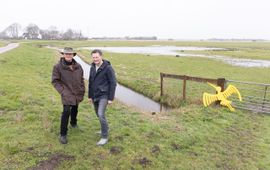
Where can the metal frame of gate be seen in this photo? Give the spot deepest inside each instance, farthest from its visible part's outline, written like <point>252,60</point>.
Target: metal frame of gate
<point>256,96</point>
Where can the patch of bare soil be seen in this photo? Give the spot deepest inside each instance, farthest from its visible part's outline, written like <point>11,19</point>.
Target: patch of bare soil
<point>53,162</point>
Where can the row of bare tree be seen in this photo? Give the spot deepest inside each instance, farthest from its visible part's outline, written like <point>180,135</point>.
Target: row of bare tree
<point>32,31</point>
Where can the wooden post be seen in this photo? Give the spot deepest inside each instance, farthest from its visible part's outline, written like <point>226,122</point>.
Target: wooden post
<point>184,87</point>
<point>221,83</point>
<point>161,84</point>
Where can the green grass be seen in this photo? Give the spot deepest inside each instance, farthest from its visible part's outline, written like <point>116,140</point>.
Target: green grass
<point>191,137</point>
<point>3,43</point>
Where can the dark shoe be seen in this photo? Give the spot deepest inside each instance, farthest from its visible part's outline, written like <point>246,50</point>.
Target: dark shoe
<point>63,139</point>
<point>74,126</point>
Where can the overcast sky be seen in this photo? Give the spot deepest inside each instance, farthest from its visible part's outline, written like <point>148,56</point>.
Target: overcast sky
<point>178,19</point>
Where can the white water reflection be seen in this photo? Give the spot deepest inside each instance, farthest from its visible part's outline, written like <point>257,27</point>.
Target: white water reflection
<point>175,51</point>
<point>157,50</point>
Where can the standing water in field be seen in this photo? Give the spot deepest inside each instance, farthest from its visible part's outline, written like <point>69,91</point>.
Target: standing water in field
<point>175,51</point>
<point>126,95</point>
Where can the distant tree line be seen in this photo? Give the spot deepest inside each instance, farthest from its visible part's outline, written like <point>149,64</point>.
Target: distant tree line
<point>33,32</point>
<point>125,38</point>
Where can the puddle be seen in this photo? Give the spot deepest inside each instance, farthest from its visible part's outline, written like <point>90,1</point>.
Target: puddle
<point>174,51</point>
<point>157,50</point>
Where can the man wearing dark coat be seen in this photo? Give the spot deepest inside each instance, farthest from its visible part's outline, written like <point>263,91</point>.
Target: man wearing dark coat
<point>101,90</point>
<point>67,79</point>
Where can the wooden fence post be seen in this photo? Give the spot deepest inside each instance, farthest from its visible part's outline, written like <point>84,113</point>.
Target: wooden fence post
<point>184,87</point>
<point>221,83</point>
<point>161,85</point>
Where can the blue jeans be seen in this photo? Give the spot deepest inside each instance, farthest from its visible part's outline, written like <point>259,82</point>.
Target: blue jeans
<point>100,107</point>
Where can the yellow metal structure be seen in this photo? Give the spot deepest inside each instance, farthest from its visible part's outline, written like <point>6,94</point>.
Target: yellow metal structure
<point>221,96</point>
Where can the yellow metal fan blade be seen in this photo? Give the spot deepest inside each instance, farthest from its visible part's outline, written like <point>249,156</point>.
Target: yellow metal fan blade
<point>231,90</point>
<point>227,104</point>
<point>208,99</point>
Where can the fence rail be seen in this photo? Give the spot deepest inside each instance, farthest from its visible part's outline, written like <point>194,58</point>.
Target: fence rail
<point>185,78</point>
<point>256,96</point>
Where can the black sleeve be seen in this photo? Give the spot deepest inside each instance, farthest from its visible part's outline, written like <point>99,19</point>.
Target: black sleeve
<point>90,86</point>
<point>112,83</point>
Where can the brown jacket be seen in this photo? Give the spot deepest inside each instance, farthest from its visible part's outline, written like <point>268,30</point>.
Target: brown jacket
<point>68,82</point>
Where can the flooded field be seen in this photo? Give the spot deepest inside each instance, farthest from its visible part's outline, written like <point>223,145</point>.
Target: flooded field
<point>180,52</point>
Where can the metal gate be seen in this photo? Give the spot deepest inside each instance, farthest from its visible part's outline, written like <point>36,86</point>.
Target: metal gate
<point>256,96</point>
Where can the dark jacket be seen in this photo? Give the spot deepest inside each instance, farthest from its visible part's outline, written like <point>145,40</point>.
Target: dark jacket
<point>102,83</point>
<point>69,82</point>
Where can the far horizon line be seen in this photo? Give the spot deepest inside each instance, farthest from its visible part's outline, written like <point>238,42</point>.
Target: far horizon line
<point>174,39</point>
<point>157,39</point>
<point>17,28</point>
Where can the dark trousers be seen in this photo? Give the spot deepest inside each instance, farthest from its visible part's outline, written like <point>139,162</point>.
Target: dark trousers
<point>71,111</point>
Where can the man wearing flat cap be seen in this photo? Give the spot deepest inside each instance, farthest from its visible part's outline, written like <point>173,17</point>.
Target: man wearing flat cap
<point>67,79</point>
